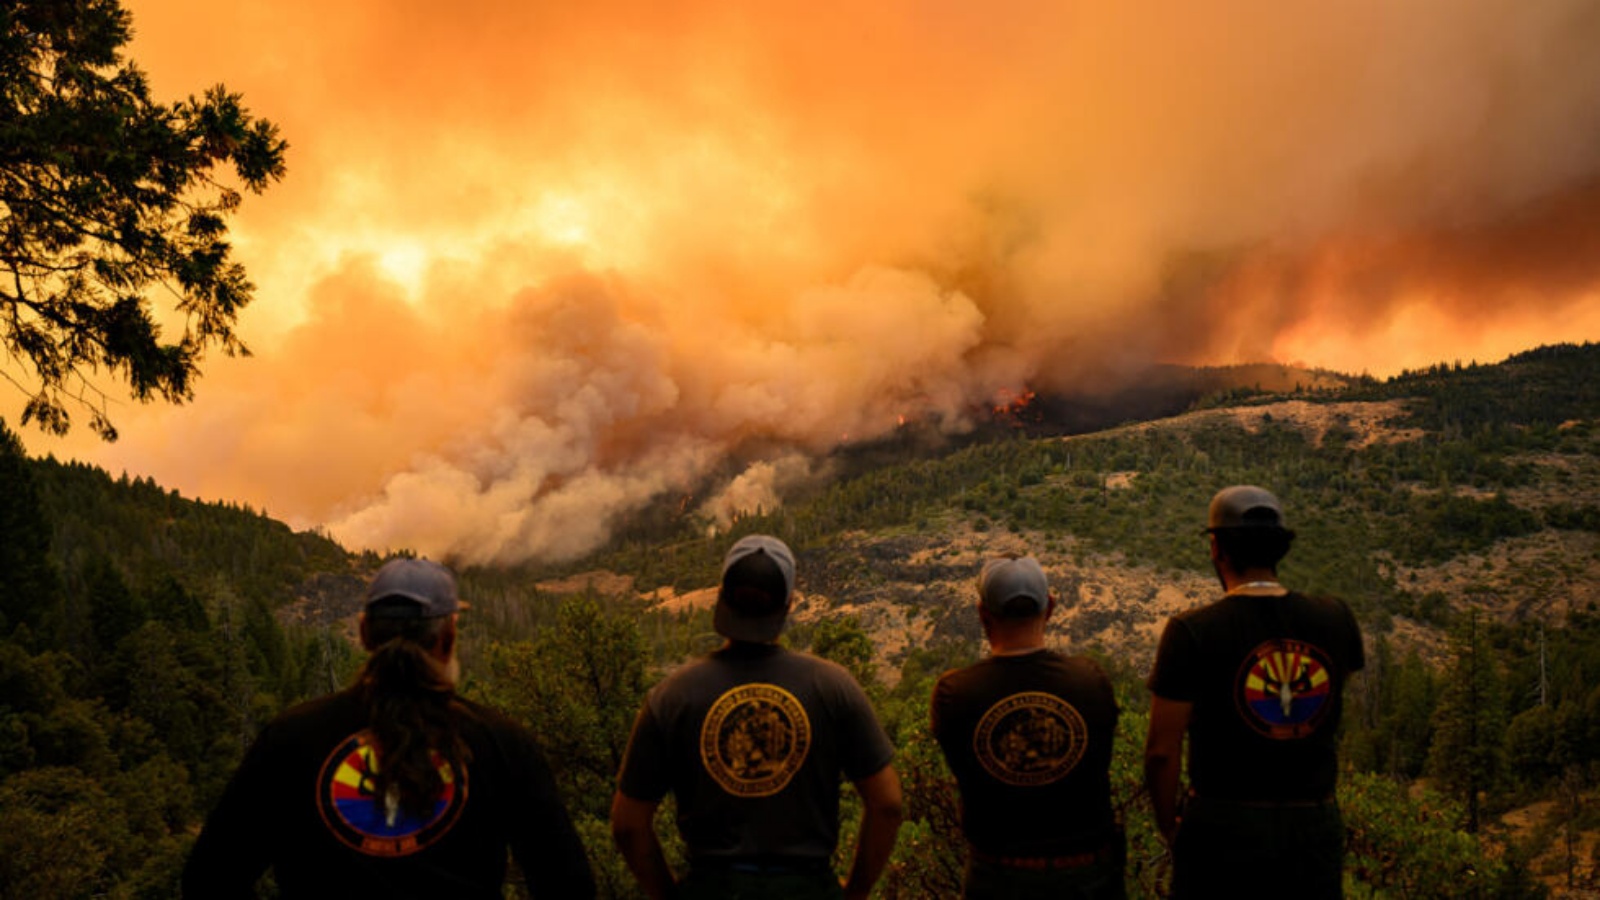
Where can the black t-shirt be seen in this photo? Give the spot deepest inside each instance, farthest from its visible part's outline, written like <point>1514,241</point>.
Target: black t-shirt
<point>301,803</point>
<point>752,742</point>
<point>1029,738</point>
<point>1266,676</point>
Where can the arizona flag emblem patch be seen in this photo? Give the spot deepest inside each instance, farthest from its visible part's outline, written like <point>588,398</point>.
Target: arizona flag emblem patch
<point>1285,688</point>
<point>363,821</point>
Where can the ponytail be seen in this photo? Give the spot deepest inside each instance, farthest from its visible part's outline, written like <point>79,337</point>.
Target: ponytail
<point>407,695</point>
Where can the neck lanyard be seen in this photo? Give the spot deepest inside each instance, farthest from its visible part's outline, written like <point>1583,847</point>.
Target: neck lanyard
<point>1254,585</point>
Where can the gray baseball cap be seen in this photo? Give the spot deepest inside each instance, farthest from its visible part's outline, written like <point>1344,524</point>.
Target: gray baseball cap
<point>1005,579</point>
<point>1245,506</point>
<point>762,561</point>
<point>412,589</point>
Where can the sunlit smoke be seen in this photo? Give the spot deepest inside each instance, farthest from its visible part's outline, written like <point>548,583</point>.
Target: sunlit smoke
<point>536,265</point>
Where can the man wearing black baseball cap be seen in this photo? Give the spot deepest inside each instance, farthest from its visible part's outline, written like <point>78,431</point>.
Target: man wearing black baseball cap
<point>1255,680</point>
<point>752,742</point>
<point>396,786</point>
<point>1028,735</point>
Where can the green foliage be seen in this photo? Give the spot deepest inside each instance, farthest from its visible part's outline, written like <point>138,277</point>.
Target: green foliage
<point>108,195</point>
<point>1437,527</point>
<point>1584,517</point>
<point>154,536</point>
<point>578,687</point>
<point>1515,403</point>
<point>59,834</point>
<point>843,640</point>
<point>31,586</point>
<point>1405,846</point>
<point>1388,726</point>
<point>1469,722</point>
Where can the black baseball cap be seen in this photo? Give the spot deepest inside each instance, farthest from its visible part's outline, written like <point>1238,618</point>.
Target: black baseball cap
<point>764,563</point>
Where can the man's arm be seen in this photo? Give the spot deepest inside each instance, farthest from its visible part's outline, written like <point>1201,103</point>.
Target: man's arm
<point>1163,759</point>
<point>633,828</point>
<point>233,848</point>
<point>544,842</point>
<point>880,823</point>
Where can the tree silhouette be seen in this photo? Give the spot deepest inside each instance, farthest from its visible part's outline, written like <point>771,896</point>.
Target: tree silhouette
<point>107,198</point>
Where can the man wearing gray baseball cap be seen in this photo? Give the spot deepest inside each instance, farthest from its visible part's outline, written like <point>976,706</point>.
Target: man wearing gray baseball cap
<point>1028,733</point>
<point>752,742</point>
<point>396,786</point>
<point>1255,682</point>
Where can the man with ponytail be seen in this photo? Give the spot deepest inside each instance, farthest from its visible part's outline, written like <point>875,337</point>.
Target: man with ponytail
<point>395,787</point>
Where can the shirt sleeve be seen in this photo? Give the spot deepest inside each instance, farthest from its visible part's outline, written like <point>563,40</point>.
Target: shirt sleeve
<point>938,715</point>
<point>1108,692</point>
<point>234,847</point>
<point>864,746</point>
<point>546,846</point>
<point>645,771</point>
<point>1173,677</point>
<point>1357,651</point>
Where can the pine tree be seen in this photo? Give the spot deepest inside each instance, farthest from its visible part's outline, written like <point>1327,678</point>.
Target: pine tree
<point>31,585</point>
<point>1470,721</point>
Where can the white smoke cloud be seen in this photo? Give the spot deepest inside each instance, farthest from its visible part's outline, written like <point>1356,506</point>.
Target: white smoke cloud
<point>760,488</point>
<point>598,414</point>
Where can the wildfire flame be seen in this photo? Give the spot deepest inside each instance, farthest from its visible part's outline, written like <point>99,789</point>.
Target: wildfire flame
<point>1009,402</point>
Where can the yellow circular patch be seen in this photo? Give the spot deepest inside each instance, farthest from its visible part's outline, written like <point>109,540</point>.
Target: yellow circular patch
<point>754,739</point>
<point>1030,738</point>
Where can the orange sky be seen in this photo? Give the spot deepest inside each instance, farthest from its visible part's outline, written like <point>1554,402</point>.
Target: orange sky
<point>535,264</point>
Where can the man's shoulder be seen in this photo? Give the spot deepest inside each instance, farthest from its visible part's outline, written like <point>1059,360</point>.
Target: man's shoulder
<point>1228,607</point>
<point>485,715</point>
<point>825,668</point>
<point>340,705</point>
<point>1215,608</point>
<point>1320,602</point>
<point>954,681</point>
<point>777,659</point>
<point>1044,666</point>
<point>1084,666</point>
<point>691,672</point>
<point>484,727</point>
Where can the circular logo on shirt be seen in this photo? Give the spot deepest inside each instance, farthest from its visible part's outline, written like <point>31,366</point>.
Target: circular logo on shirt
<point>377,826</point>
<point>1030,738</point>
<point>754,739</point>
<point>1285,688</point>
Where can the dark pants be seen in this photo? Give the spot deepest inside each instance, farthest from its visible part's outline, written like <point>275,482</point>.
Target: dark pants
<point>738,882</point>
<point>1227,849</point>
<point>1099,877</point>
<point>986,882</point>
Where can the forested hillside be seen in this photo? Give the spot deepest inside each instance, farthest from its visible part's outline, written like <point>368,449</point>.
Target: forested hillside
<point>143,649</point>
<point>1457,510</point>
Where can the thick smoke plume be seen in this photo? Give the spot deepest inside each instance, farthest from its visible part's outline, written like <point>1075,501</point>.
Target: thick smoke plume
<point>537,264</point>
